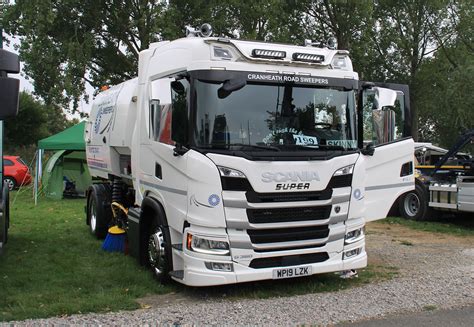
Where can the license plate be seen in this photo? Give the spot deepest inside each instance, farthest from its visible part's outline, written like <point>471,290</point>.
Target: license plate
<point>291,272</point>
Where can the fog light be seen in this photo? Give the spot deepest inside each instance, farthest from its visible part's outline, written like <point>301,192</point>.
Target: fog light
<point>219,266</point>
<point>351,253</point>
<point>353,236</point>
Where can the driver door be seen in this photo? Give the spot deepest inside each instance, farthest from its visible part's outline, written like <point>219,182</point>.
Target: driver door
<point>389,169</point>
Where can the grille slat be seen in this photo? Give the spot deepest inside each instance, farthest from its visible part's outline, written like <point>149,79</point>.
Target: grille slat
<point>279,215</point>
<point>288,260</point>
<point>254,197</point>
<point>260,236</point>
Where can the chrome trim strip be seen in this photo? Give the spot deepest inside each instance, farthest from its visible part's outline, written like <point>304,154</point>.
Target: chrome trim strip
<point>244,224</point>
<point>381,187</point>
<point>164,188</point>
<point>290,244</point>
<point>237,199</point>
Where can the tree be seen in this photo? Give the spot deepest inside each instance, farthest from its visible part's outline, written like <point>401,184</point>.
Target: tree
<point>445,81</point>
<point>66,43</point>
<point>35,121</point>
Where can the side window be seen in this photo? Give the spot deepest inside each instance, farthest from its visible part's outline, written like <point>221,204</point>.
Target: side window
<point>168,111</point>
<point>154,119</point>
<point>7,162</point>
<point>179,103</point>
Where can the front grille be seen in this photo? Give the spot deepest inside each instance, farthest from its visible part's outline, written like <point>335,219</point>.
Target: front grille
<point>279,215</point>
<point>254,197</point>
<point>288,260</point>
<point>259,236</point>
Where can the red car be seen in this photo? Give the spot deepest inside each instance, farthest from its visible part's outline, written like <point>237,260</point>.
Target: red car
<point>16,172</point>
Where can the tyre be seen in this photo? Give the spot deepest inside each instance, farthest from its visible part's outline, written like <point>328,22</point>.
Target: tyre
<point>11,183</point>
<point>99,213</point>
<point>414,204</point>
<point>158,247</point>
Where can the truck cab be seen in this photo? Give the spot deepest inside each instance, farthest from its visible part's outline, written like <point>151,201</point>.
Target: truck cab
<point>241,161</point>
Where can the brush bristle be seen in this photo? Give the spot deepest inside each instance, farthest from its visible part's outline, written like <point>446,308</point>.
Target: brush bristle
<point>114,243</point>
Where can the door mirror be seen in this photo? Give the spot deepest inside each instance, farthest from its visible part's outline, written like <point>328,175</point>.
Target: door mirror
<point>384,98</point>
<point>383,117</point>
<point>384,125</point>
<point>382,113</point>
<point>9,87</point>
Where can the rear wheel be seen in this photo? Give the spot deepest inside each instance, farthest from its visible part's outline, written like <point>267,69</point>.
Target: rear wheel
<point>99,214</point>
<point>414,204</point>
<point>11,183</point>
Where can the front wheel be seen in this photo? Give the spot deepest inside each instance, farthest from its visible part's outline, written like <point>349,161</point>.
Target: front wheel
<point>159,250</point>
<point>414,204</point>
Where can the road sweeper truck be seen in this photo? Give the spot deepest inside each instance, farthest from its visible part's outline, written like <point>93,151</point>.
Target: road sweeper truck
<point>228,161</point>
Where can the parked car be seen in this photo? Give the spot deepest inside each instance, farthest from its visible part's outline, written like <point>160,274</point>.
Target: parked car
<point>16,172</point>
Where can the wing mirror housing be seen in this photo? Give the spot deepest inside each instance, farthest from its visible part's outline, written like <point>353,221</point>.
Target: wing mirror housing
<point>9,87</point>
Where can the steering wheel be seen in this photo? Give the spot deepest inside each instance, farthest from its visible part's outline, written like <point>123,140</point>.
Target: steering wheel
<point>324,125</point>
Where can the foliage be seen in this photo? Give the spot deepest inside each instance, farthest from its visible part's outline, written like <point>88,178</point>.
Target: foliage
<point>35,121</point>
<point>454,225</point>
<point>424,43</point>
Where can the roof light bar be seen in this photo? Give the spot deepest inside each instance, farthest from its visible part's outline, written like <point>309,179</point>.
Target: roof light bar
<point>308,57</point>
<point>270,54</point>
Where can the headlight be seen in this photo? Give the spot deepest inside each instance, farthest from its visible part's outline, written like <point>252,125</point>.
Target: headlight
<point>230,172</point>
<point>207,246</point>
<point>347,170</point>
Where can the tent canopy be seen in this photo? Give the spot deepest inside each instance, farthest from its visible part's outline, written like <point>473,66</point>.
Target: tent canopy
<point>69,139</point>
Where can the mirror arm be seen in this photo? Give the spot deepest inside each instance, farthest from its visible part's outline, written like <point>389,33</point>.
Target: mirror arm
<point>179,149</point>
<point>368,150</point>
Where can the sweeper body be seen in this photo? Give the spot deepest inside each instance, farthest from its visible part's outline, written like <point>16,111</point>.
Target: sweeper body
<point>230,161</point>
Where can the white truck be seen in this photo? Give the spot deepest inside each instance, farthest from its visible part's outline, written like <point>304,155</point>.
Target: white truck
<point>233,161</point>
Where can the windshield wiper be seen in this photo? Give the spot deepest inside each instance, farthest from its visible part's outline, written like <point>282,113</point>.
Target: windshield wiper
<point>313,147</point>
<point>254,146</point>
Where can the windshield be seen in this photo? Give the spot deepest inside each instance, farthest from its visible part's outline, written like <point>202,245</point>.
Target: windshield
<point>274,116</point>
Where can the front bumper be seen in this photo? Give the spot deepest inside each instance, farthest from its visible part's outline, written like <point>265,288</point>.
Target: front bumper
<point>197,274</point>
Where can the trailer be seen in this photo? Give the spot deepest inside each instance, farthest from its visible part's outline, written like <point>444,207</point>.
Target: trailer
<point>444,181</point>
<point>228,161</point>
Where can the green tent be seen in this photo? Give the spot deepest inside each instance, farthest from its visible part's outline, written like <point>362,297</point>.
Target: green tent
<point>67,165</point>
<point>69,139</point>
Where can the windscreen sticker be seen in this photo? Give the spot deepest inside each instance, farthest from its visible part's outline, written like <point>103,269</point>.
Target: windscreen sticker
<point>271,136</point>
<point>305,140</point>
<point>343,143</point>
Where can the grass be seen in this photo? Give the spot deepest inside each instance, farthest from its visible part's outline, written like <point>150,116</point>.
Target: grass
<point>52,266</point>
<point>458,226</point>
<point>430,307</point>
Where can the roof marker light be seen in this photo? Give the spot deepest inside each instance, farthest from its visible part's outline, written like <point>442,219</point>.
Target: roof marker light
<point>269,54</point>
<point>308,57</point>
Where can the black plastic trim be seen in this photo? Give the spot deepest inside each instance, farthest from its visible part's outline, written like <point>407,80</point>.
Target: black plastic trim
<point>289,260</point>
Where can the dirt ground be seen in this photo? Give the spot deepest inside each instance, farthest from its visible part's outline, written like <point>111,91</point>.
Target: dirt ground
<point>407,251</point>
